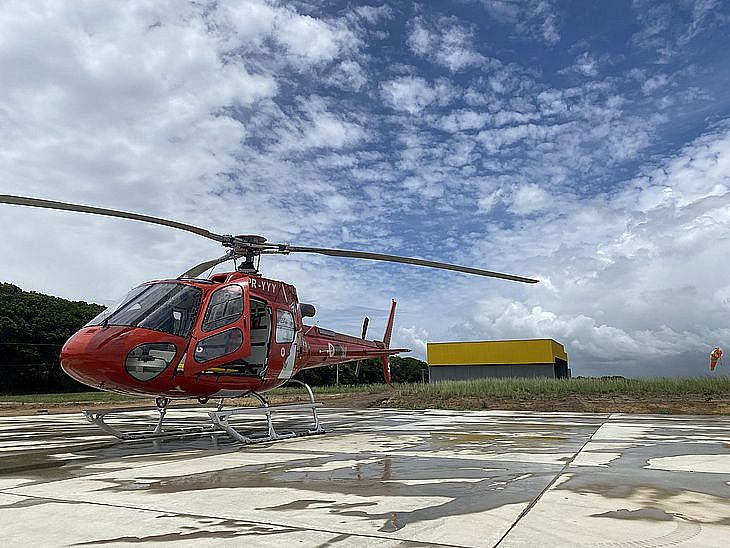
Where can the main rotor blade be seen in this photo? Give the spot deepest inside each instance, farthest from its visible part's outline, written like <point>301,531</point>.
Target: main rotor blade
<point>198,269</point>
<point>409,260</point>
<point>50,204</point>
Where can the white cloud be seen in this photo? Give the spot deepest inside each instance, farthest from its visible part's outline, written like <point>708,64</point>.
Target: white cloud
<point>374,14</point>
<point>445,42</point>
<point>413,94</point>
<point>348,74</point>
<point>654,83</point>
<point>132,100</point>
<point>464,120</point>
<point>529,199</point>
<point>529,18</point>
<point>318,127</point>
<point>414,338</point>
<point>311,39</point>
<point>585,64</point>
<point>486,203</point>
<point>632,275</point>
<point>305,39</point>
<point>670,28</point>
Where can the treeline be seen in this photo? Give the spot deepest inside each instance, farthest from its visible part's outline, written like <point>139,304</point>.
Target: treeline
<point>369,372</point>
<point>33,328</point>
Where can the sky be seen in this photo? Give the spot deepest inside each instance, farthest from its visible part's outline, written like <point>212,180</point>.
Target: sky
<point>586,144</point>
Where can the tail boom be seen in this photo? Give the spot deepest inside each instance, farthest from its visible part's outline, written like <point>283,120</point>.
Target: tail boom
<point>323,347</point>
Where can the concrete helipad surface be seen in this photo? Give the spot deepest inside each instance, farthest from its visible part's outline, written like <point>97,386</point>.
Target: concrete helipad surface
<point>379,478</point>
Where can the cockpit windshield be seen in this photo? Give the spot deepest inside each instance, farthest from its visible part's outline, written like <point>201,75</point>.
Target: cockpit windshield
<point>169,307</point>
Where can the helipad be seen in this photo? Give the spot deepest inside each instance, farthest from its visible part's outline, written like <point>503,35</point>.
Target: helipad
<point>379,478</point>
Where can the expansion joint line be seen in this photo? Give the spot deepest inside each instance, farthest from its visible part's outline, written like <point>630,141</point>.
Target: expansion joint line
<point>10,491</point>
<point>551,483</point>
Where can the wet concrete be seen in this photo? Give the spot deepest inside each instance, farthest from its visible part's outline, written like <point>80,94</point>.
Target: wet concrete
<point>378,478</point>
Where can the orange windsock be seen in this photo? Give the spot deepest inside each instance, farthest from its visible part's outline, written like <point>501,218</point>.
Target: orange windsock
<point>715,357</point>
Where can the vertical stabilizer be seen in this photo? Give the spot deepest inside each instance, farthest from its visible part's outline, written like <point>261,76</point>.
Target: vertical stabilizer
<point>389,325</point>
<point>385,360</point>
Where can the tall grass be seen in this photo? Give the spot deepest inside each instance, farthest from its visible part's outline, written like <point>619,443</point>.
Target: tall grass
<point>66,397</point>
<point>551,388</point>
<point>540,388</point>
<point>518,389</point>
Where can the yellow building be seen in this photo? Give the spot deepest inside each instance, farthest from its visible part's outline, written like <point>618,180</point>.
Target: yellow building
<point>514,358</point>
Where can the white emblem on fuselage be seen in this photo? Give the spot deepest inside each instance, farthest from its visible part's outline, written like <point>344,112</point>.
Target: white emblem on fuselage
<point>259,284</point>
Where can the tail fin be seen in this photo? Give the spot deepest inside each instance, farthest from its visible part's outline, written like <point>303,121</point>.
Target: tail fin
<point>389,325</point>
<point>385,360</point>
<point>365,323</point>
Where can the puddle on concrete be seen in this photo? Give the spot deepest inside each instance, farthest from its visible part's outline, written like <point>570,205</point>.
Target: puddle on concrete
<point>511,438</point>
<point>490,485</point>
<point>655,483</point>
<point>466,481</point>
<point>651,514</point>
<point>202,528</point>
<point>684,530</point>
<point>58,463</point>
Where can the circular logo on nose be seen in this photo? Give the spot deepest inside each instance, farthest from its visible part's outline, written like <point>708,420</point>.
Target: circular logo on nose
<point>330,350</point>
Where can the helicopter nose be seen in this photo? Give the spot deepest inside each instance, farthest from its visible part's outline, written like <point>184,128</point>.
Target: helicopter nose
<point>116,356</point>
<point>91,355</point>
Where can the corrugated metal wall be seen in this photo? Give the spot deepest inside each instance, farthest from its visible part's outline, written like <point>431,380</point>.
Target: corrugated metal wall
<point>472,372</point>
<point>495,352</point>
<point>531,358</point>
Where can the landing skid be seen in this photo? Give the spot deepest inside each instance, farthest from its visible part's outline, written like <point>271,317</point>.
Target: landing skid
<point>219,420</point>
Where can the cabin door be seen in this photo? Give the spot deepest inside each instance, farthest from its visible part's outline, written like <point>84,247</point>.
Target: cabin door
<point>222,335</point>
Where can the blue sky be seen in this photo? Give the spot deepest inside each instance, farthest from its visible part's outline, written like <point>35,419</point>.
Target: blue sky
<point>586,144</point>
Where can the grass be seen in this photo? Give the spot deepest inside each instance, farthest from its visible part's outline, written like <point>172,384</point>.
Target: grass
<point>541,388</point>
<point>550,388</point>
<point>515,389</point>
<point>67,397</point>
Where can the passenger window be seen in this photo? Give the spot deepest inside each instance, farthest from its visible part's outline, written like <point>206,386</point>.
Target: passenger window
<point>284,326</point>
<point>226,306</point>
<point>218,345</point>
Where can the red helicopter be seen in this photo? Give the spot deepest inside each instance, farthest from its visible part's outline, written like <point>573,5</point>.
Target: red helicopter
<point>232,334</point>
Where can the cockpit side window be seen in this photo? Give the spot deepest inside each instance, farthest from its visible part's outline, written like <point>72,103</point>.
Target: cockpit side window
<point>284,326</point>
<point>225,307</point>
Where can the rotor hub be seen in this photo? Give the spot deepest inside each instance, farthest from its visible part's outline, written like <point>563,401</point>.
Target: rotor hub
<point>250,239</point>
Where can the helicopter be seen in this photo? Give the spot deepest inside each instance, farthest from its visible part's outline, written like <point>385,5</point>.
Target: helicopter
<point>231,334</point>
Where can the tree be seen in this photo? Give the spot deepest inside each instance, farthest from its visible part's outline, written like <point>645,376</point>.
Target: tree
<point>33,328</point>
<point>371,372</point>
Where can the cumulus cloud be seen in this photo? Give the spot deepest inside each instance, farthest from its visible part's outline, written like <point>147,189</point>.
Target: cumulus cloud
<point>413,94</point>
<point>445,42</point>
<point>669,28</point>
<point>529,18</point>
<point>585,64</point>
<point>633,275</point>
<point>530,198</point>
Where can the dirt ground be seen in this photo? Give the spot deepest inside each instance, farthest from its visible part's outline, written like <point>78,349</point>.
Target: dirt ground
<point>680,405</point>
<point>690,405</point>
